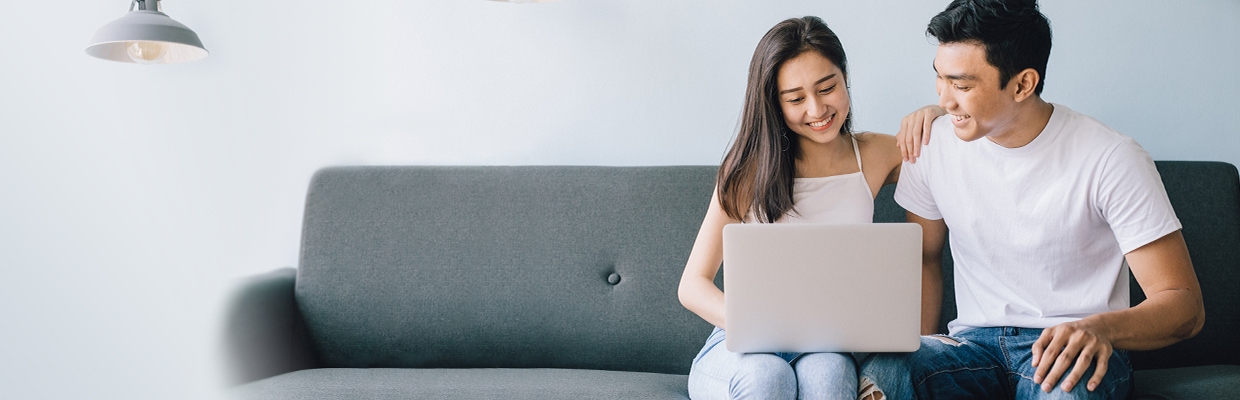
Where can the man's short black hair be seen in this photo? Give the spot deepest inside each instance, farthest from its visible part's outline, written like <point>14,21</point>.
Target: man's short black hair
<point>1015,34</point>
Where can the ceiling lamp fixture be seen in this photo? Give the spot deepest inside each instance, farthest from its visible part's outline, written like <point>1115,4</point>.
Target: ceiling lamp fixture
<point>146,36</point>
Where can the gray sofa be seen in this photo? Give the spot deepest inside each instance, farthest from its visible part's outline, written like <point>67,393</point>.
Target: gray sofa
<point>560,283</point>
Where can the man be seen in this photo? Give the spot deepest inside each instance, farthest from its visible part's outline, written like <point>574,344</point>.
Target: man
<point>1045,205</point>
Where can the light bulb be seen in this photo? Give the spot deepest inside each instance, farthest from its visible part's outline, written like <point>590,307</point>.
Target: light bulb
<point>146,53</point>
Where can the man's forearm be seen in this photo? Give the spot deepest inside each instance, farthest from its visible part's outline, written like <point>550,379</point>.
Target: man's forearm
<point>1163,319</point>
<point>1172,310</point>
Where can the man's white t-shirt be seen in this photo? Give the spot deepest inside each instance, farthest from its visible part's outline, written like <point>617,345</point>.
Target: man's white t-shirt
<point>1038,233</point>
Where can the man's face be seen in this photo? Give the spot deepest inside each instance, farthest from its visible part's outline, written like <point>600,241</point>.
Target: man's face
<point>968,89</point>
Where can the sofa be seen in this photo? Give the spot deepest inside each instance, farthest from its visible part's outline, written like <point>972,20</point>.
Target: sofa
<point>559,282</point>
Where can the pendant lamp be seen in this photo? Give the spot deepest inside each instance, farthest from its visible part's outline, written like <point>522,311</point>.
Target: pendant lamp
<point>146,36</point>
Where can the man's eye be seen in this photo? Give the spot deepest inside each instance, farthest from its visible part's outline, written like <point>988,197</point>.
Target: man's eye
<point>961,88</point>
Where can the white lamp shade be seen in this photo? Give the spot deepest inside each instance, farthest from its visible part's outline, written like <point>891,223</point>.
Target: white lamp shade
<point>146,26</point>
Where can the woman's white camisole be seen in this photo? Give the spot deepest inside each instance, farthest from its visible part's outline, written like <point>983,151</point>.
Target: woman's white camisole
<point>838,199</point>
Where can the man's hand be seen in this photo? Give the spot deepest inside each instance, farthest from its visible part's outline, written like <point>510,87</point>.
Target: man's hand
<point>915,131</point>
<point>1081,342</point>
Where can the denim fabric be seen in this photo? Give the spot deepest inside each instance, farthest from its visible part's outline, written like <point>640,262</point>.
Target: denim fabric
<point>721,374</point>
<point>889,372</point>
<point>987,363</point>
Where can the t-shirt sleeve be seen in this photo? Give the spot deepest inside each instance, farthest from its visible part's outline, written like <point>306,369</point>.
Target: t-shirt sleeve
<point>1132,199</point>
<point>913,191</point>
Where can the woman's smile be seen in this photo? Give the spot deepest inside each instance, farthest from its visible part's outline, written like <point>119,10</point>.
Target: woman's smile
<point>822,125</point>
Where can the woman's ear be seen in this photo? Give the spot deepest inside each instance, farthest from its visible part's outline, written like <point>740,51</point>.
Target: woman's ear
<point>1025,82</point>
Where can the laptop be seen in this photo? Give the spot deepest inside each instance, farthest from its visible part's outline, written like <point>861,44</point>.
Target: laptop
<point>822,288</point>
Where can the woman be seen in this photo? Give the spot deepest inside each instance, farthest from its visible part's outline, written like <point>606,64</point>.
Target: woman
<point>795,159</point>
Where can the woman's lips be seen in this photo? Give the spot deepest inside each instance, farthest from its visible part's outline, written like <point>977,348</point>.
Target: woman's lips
<point>822,125</point>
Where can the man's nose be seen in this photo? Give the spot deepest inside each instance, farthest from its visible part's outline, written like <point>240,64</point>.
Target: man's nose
<point>946,100</point>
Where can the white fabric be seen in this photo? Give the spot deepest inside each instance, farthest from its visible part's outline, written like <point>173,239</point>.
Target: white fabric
<point>1038,233</point>
<point>837,199</point>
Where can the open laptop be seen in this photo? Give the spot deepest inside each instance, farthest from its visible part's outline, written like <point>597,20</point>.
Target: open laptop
<point>822,288</point>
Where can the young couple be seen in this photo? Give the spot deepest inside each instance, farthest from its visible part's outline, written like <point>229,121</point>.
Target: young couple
<point>1048,208</point>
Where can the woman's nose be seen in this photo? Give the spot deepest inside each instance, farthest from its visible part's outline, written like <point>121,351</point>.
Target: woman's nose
<point>817,108</point>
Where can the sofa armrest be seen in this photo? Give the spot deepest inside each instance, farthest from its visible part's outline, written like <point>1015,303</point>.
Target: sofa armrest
<point>264,332</point>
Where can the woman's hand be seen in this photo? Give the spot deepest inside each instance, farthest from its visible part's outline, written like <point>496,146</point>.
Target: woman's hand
<point>915,131</point>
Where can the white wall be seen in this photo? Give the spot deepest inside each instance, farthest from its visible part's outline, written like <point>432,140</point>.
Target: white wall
<point>131,197</point>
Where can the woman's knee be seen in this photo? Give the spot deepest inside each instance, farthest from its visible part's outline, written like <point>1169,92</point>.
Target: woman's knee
<point>826,376</point>
<point>763,374</point>
<point>826,364</point>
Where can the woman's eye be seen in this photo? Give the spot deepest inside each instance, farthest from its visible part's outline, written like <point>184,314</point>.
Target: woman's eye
<point>796,100</point>
<point>827,90</point>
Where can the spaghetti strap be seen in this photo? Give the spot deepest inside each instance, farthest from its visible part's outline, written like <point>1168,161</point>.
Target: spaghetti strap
<point>857,151</point>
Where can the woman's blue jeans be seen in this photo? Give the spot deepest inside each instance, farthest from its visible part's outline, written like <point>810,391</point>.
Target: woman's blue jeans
<point>721,374</point>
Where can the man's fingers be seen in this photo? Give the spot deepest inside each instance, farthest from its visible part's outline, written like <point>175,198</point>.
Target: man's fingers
<point>1039,346</point>
<point>1100,371</point>
<point>1082,363</point>
<point>1051,349</point>
<point>1062,362</point>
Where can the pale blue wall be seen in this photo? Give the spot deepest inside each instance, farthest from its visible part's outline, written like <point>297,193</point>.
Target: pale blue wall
<point>131,197</point>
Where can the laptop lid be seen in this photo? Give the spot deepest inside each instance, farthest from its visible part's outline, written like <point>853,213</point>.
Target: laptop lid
<point>822,288</point>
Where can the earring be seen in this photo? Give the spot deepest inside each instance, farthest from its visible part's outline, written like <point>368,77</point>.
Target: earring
<point>783,139</point>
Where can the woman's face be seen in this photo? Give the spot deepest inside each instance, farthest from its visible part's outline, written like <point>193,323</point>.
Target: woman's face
<point>813,96</point>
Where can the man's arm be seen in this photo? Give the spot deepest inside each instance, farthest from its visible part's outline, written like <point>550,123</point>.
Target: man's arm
<point>1171,312</point>
<point>933,235</point>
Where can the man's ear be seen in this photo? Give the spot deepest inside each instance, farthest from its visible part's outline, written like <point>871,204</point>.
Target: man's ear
<point>1025,82</point>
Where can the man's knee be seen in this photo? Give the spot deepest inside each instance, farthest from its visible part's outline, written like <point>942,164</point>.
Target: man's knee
<point>1078,392</point>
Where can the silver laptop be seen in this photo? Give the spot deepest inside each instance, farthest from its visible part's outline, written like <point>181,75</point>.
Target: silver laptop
<point>822,288</point>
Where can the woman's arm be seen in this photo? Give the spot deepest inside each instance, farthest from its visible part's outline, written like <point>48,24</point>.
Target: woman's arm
<point>697,290</point>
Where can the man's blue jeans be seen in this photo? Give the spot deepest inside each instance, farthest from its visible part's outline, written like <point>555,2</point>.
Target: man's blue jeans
<point>984,363</point>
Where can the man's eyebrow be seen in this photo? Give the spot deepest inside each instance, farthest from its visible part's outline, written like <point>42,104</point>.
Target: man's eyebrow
<point>961,77</point>
<point>786,91</point>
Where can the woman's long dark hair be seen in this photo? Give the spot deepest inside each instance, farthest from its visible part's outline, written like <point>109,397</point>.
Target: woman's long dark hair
<point>758,172</point>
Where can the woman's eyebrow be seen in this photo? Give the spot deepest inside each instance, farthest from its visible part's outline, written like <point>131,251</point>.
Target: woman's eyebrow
<point>785,91</point>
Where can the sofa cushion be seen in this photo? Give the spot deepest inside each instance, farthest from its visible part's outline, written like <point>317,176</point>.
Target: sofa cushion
<point>411,384</point>
<point>502,267</point>
<point>1208,382</point>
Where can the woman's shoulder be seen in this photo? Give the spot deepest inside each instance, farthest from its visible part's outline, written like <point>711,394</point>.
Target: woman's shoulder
<point>876,143</point>
<point>878,152</point>
<point>874,136</point>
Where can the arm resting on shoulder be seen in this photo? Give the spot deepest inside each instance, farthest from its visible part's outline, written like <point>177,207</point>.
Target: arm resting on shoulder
<point>1172,310</point>
<point>933,235</point>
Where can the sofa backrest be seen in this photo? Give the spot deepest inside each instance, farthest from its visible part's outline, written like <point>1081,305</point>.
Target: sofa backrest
<point>522,267</point>
<point>452,267</point>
